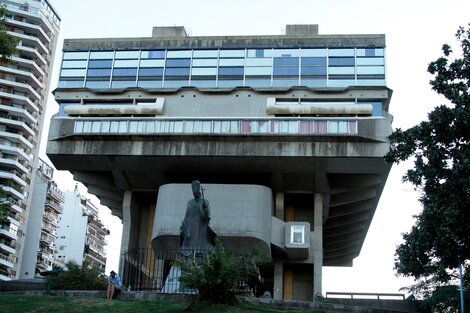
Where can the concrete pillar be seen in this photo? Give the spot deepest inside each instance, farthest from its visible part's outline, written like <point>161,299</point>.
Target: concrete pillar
<point>317,245</point>
<point>278,280</point>
<point>130,222</point>
<point>279,209</point>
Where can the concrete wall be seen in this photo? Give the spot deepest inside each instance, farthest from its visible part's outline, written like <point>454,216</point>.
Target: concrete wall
<point>240,215</point>
<point>73,227</point>
<point>31,242</point>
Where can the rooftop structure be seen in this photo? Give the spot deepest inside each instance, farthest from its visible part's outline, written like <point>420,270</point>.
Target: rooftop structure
<point>24,87</point>
<point>287,134</point>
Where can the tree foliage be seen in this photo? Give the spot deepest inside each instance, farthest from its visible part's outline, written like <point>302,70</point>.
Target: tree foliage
<point>4,207</point>
<point>440,239</point>
<point>78,277</point>
<point>8,43</point>
<point>218,277</point>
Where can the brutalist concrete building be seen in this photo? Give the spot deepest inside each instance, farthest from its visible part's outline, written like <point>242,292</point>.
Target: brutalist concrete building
<point>286,133</point>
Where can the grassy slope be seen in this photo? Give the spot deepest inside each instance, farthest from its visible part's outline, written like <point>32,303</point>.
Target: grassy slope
<point>54,304</point>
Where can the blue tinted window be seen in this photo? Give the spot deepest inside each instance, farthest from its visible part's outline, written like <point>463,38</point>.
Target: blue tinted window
<point>151,71</point>
<point>286,61</point>
<point>313,61</point>
<point>99,72</point>
<point>230,71</point>
<point>341,61</point>
<point>100,63</point>
<point>153,54</point>
<point>288,70</point>
<point>178,62</point>
<point>125,72</point>
<point>177,72</point>
<point>313,70</point>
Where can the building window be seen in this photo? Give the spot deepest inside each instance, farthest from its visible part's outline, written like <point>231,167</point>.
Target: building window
<point>297,234</point>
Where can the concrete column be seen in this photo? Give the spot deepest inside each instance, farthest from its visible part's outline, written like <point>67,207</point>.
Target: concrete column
<point>279,209</point>
<point>318,245</point>
<point>130,223</point>
<point>278,280</point>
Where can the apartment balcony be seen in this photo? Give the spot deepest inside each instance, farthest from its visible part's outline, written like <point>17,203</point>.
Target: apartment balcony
<point>7,246</point>
<point>31,28</point>
<point>17,138</point>
<point>31,40</point>
<point>33,54</point>
<point>19,179</point>
<point>19,113</point>
<point>53,221</point>
<point>47,238</point>
<point>13,123</point>
<point>21,100</point>
<point>21,85</point>
<point>6,261</point>
<point>25,62</point>
<point>8,232</point>
<point>50,230</point>
<point>56,195</point>
<point>53,205</point>
<point>12,192</point>
<point>25,75</point>
<point>16,205</point>
<point>12,163</point>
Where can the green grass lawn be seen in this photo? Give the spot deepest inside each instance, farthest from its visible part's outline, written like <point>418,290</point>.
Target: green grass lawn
<point>56,304</point>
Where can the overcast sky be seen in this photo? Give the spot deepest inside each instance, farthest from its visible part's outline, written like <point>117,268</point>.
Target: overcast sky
<point>415,32</point>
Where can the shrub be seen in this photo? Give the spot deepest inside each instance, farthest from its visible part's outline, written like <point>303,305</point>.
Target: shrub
<point>78,277</point>
<point>220,276</point>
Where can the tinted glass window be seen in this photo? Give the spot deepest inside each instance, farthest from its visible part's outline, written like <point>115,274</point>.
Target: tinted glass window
<point>341,61</point>
<point>312,61</point>
<point>151,72</point>
<point>100,63</point>
<point>178,62</point>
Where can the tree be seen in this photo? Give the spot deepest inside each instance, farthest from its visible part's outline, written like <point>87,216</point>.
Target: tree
<point>4,207</point>
<point>8,43</point>
<point>440,239</point>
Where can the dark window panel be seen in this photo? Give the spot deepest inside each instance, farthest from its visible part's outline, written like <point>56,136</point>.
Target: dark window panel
<point>286,71</point>
<point>341,61</point>
<point>100,63</point>
<point>313,61</point>
<point>99,72</point>
<point>178,62</point>
<point>125,72</point>
<point>151,71</point>
<point>313,70</point>
<point>286,61</point>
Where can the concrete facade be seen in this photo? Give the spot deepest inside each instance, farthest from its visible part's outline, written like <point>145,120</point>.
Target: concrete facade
<point>295,124</point>
<point>24,89</point>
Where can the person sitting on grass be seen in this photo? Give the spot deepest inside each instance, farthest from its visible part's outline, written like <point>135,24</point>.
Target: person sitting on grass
<point>114,285</point>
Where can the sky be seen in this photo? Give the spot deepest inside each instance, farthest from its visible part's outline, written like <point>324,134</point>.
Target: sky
<point>415,31</point>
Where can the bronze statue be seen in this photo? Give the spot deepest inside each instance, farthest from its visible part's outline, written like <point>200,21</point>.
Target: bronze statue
<point>195,233</point>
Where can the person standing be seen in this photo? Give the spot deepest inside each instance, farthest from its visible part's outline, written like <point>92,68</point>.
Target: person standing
<point>114,285</point>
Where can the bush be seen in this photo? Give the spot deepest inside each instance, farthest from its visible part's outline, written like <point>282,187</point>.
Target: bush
<point>220,276</point>
<point>78,277</point>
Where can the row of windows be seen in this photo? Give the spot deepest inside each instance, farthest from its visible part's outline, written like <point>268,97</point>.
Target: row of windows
<point>240,53</point>
<point>214,68</point>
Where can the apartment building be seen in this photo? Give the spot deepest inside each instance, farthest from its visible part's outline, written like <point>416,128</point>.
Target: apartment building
<point>47,205</point>
<point>81,235</point>
<point>24,88</point>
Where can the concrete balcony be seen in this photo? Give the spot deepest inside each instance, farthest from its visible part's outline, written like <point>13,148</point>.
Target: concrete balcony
<point>15,194</point>
<point>8,232</point>
<point>12,163</point>
<point>31,28</point>
<point>17,138</point>
<point>20,125</point>
<point>29,64</point>
<point>21,85</point>
<point>14,177</point>
<point>7,261</point>
<point>34,54</point>
<point>28,76</point>
<point>31,40</point>
<point>8,247</point>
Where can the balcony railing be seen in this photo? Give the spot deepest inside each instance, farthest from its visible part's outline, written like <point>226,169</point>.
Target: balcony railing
<point>215,126</point>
